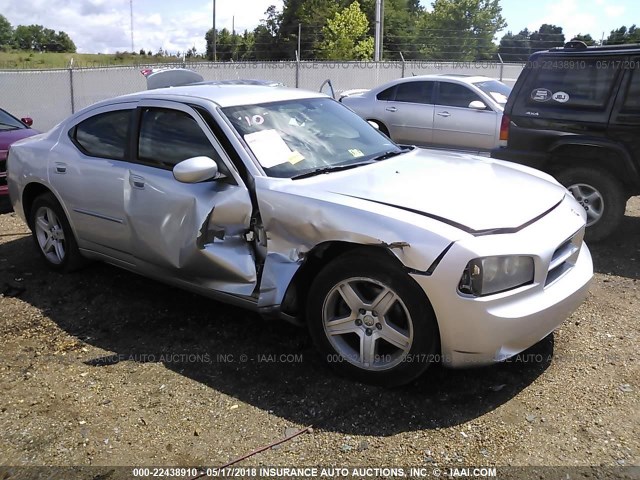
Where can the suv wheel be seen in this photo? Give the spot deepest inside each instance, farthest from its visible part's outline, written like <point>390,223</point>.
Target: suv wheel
<point>600,194</point>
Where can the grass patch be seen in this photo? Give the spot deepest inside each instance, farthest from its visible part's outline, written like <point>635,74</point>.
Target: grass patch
<point>19,60</point>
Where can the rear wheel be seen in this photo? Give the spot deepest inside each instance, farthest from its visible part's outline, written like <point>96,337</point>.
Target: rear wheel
<point>602,197</point>
<point>52,234</point>
<point>371,321</point>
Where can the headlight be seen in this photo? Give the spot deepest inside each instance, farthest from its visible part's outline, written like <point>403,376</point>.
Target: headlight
<point>488,275</point>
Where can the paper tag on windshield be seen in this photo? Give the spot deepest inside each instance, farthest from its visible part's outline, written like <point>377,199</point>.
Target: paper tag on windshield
<point>295,157</point>
<point>268,147</point>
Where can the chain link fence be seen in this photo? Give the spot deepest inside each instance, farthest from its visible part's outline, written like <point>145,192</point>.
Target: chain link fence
<point>49,96</point>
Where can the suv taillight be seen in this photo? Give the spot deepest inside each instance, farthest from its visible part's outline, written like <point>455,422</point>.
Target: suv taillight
<point>504,129</point>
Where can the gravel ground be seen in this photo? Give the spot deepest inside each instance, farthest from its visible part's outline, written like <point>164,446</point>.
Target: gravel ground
<point>103,367</point>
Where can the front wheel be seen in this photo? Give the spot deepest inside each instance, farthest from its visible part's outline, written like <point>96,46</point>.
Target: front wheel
<point>52,234</point>
<point>371,321</point>
<point>602,197</point>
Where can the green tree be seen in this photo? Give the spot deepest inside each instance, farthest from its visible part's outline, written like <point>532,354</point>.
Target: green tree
<point>59,42</point>
<point>41,39</point>
<point>346,36</point>
<point>515,48</point>
<point>623,35</point>
<point>461,30</point>
<point>266,37</point>
<point>6,31</point>
<point>548,36</point>
<point>246,50</point>
<point>587,39</point>
<point>312,16</point>
<point>401,31</point>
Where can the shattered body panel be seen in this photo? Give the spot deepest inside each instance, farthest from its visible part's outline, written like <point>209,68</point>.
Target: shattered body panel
<point>194,231</point>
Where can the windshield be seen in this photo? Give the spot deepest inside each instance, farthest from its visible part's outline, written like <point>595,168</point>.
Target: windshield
<point>296,137</point>
<point>7,122</point>
<point>496,90</point>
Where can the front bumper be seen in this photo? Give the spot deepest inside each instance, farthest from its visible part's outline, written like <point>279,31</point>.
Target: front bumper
<point>484,330</point>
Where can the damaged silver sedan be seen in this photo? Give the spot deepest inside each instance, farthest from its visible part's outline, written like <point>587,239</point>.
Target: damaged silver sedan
<point>286,202</point>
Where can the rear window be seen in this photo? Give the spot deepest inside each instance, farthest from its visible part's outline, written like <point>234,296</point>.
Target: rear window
<point>570,83</point>
<point>632,100</point>
<point>103,135</point>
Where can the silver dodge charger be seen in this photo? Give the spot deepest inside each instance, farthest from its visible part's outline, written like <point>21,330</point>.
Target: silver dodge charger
<point>287,203</point>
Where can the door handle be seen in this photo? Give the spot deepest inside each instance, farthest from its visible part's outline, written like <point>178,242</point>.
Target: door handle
<point>136,181</point>
<point>61,167</point>
<point>391,109</point>
<point>444,114</point>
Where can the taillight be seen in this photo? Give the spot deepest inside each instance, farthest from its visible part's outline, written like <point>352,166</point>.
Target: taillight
<point>504,128</point>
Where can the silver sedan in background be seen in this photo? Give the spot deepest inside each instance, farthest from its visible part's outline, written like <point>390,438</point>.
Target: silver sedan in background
<point>287,203</point>
<point>449,111</point>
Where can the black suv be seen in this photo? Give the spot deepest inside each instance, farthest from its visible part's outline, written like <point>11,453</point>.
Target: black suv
<point>574,112</point>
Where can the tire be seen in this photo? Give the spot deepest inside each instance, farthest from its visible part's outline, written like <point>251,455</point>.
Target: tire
<point>371,282</point>
<point>52,234</point>
<point>602,197</point>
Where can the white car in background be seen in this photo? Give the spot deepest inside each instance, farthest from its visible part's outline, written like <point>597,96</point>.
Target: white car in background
<point>448,111</point>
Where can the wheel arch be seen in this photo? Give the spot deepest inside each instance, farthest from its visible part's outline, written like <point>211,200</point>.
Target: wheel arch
<point>30,192</point>
<point>589,154</point>
<point>321,255</point>
<point>383,127</point>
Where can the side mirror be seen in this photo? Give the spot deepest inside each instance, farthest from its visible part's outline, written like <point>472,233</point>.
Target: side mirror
<point>373,124</point>
<point>477,105</point>
<point>28,121</point>
<point>195,170</point>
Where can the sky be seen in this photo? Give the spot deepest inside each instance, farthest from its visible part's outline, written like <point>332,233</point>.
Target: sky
<point>104,26</point>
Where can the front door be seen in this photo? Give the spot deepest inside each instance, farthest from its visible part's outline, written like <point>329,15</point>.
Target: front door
<point>195,232</point>
<point>455,124</point>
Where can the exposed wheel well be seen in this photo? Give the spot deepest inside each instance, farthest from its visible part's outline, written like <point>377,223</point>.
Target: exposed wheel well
<point>30,193</point>
<point>296,296</point>
<point>584,156</point>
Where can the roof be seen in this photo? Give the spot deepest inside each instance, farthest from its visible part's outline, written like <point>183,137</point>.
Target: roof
<point>224,95</point>
<point>445,76</point>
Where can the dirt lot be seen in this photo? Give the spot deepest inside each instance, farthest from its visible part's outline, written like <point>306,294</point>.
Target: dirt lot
<point>103,367</point>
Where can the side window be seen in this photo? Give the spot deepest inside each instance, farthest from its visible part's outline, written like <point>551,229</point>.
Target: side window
<point>414,92</point>
<point>455,95</point>
<point>169,136</point>
<point>386,94</point>
<point>632,100</point>
<point>570,83</point>
<point>103,135</point>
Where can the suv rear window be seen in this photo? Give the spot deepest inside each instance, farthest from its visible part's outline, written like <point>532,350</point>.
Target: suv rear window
<point>570,82</point>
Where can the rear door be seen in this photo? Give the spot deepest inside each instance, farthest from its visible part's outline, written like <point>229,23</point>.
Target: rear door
<point>90,179</point>
<point>408,112</point>
<point>195,232</point>
<point>455,124</point>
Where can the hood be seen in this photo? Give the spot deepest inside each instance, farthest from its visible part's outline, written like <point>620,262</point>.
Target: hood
<point>7,137</point>
<point>477,194</point>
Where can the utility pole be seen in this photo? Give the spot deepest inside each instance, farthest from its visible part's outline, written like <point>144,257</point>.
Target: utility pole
<point>377,55</point>
<point>131,14</point>
<point>299,42</point>
<point>215,40</point>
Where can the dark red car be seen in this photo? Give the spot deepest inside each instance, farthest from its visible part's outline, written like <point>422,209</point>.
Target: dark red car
<point>11,130</point>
